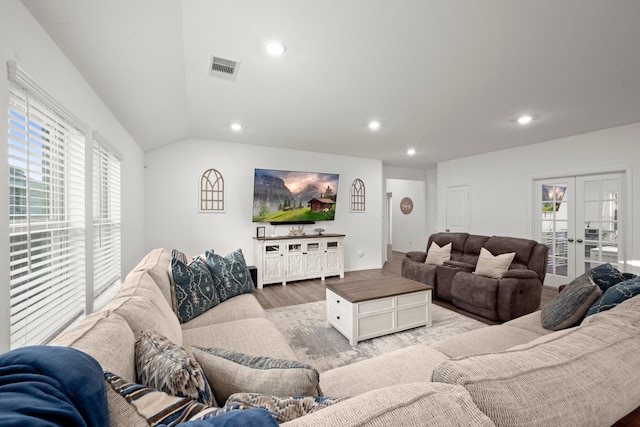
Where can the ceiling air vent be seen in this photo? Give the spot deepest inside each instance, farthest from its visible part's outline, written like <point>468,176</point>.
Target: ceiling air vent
<point>224,68</point>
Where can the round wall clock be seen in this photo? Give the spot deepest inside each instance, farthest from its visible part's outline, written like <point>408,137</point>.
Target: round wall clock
<point>406,205</point>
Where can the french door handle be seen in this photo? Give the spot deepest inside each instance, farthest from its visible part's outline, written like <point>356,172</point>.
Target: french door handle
<point>570,240</point>
<point>579,240</point>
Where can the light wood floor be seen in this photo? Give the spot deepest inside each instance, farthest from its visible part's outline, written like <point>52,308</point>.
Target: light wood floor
<point>303,291</point>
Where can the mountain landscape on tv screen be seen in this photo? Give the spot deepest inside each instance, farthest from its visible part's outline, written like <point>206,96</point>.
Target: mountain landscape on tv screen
<point>287,196</point>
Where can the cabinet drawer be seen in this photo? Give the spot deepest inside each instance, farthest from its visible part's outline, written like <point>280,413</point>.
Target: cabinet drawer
<point>413,316</point>
<point>412,299</point>
<point>375,325</point>
<point>338,301</point>
<point>339,319</point>
<point>375,306</point>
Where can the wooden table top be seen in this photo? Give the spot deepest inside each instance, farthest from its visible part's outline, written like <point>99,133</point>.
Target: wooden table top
<point>383,287</point>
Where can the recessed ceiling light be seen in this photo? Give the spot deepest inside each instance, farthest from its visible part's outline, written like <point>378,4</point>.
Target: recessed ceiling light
<point>374,125</point>
<point>411,151</point>
<point>275,48</point>
<point>236,126</point>
<point>526,119</point>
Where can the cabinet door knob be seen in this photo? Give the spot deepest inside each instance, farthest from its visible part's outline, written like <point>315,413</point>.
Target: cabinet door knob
<point>337,301</point>
<point>338,317</point>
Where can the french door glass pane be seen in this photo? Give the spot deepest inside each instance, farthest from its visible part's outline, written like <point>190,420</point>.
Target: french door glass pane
<point>554,225</point>
<point>600,222</point>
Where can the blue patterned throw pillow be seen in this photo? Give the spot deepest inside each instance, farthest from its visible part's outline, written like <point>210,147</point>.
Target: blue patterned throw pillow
<point>195,291</point>
<point>615,295</point>
<point>569,307</point>
<point>231,276</point>
<point>605,276</point>
<point>156,406</point>
<point>282,409</point>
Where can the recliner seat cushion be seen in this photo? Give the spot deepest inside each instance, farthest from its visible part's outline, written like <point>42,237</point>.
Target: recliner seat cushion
<point>476,294</point>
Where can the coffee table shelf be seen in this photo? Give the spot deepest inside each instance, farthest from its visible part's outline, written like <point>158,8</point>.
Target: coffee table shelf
<point>371,308</point>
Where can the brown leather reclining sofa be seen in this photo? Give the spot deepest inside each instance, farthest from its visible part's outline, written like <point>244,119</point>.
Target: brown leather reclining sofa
<point>515,294</point>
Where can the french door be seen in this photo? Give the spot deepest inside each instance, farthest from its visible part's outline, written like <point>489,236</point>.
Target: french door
<point>578,218</point>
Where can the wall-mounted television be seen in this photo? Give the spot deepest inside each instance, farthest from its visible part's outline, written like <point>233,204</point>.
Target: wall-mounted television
<point>294,197</point>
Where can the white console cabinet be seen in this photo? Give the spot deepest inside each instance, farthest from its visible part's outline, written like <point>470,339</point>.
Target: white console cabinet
<point>286,258</point>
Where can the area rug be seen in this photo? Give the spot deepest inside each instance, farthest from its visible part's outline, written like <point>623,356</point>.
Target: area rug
<point>315,342</point>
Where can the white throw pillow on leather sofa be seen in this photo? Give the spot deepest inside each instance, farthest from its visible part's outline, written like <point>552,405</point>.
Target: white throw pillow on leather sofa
<point>437,255</point>
<point>493,266</point>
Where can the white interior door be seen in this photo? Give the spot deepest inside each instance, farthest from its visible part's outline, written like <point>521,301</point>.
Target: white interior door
<point>555,224</point>
<point>599,232</point>
<point>578,218</point>
<point>457,205</point>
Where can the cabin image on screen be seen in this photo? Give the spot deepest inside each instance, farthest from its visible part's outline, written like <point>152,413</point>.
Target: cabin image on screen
<point>320,205</point>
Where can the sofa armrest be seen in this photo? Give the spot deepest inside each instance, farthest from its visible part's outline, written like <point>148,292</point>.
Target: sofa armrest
<point>518,296</point>
<point>465,266</point>
<point>416,256</point>
<point>520,273</point>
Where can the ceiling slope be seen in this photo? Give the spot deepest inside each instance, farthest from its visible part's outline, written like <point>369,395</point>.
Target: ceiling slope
<point>446,78</point>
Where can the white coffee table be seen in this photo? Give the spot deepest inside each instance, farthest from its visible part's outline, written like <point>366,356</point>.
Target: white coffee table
<point>371,308</point>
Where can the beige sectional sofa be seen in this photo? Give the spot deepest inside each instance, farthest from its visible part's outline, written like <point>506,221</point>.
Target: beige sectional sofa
<point>517,373</point>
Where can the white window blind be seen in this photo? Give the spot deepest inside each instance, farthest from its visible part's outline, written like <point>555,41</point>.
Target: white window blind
<point>106,215</point>
<point>47,215</point>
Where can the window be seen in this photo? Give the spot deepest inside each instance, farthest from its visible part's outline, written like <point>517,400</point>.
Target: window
<point>357,196</point>
<point>47,214</point>
<point>106,215</point>
<point>50,216</point>
<point>211,191</point>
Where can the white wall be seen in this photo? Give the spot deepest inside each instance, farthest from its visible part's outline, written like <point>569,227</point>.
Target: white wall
<point>172,178</point>
<point>501,200</point>
<point>432,201</point>
<point>408,230</point>
<point>24,41</point>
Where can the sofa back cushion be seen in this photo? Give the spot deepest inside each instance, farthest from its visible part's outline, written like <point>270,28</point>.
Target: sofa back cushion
<point>522,247</point>
<point>582,376</point>
<point>457,241</point>
<point>539,260</point>
<point>143,306</point>
<point>472,247</point>
<point>107,338</point>
<point>425,404</point>
<point>158,264</point>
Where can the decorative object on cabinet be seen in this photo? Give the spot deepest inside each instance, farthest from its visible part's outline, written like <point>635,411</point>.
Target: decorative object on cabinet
<point>358,194</point>
<point>211,191</point>
<point>406,205</point>
<point>283,259</point>
<point>260,233</point>
<point>297,231</point>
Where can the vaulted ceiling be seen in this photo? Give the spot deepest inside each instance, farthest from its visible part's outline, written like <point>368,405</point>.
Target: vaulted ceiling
<point>445,77</point>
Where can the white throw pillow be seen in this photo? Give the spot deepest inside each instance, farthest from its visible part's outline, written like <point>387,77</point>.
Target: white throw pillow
<point>437,255</point>
<point>493,266</point>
